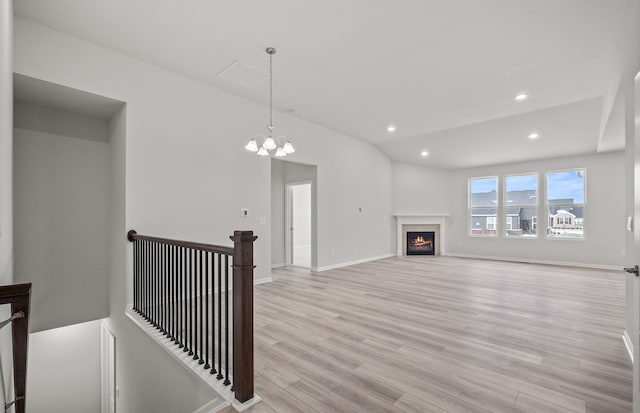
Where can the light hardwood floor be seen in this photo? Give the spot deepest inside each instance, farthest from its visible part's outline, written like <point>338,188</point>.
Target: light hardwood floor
<point>442,334</point>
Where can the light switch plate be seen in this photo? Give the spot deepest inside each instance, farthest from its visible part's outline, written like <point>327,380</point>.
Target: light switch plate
<point>629,223</point>
<point>244,212</point>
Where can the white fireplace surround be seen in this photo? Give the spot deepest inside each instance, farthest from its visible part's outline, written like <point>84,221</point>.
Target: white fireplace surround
<point>427,219</point>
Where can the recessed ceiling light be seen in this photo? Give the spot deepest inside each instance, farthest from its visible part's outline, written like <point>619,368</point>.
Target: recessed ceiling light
<point>521,96</point>
<point>391,128</point>
<point>424,153</point>
<point>534,135</point>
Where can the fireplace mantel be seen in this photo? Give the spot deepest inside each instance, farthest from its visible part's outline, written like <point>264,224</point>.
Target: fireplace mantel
<point>422,219</point>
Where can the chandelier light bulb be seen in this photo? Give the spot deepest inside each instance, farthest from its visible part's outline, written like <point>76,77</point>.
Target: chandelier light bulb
<point>269,144</point>
<point>252,146</point>
<point>281,152</point>
<point>288,148</point>
<point>263,152</point>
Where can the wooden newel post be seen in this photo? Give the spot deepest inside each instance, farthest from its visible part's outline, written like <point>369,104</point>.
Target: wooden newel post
<point>243,314</point>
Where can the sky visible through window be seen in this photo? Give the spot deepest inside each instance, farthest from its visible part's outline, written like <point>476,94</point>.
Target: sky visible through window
<point>522,182</point>
<point>484,185</point>
<point>566,185</point>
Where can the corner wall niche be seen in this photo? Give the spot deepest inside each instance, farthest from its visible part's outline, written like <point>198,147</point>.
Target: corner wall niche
<point>421,223</point>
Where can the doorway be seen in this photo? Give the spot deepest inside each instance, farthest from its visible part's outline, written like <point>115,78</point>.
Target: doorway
<point>298,224</point>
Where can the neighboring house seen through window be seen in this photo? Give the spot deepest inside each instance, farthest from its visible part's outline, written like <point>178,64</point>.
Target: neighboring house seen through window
<point>483,206</point>
<point>566,204</point>
<point>515,204</point>
<point>520,205</point>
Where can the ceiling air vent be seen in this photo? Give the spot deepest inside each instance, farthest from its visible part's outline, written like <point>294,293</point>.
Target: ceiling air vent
<point>243,74</point>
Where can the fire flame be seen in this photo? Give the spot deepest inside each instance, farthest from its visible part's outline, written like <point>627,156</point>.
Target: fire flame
<point>420,241</point>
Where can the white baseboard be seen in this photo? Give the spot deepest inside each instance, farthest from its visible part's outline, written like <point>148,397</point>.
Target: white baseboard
<point>262,280</point>
<point>213,406</point>
<point>278,265</point>
<point>628,344</point>
<point>534,261</point>
<point>346,264</point>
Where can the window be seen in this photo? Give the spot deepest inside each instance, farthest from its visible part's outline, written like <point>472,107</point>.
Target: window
<point>566,204</point>
<point>483,206</point>
<point>509,223</point>
<point>520,205</point>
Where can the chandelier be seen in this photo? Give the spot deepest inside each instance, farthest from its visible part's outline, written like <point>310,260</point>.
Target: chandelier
<point>269,144</point>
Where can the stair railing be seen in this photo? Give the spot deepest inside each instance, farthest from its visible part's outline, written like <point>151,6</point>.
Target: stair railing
<point>19,297</point>
<point>184,290</point>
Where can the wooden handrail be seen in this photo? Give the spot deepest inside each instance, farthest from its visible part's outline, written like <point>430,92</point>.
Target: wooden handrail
<point>19,296</point>
<point>133,235</point>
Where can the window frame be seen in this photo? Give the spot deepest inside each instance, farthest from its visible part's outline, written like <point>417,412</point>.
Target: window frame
<point>470,233</point>
<point>575,204</point>
<point>536,206</point>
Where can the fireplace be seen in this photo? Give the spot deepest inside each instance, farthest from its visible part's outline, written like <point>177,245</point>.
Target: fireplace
<point>421,243</point>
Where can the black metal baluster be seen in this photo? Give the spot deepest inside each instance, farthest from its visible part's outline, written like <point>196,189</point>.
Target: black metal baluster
<point>185,313</point>
<point>161,289</point>
<point>153,283</point>
<point>165,296</point>
<point>213,312</point>
<point>147,285</point>
<point>219,376</point>
<point>190,298</point>
<point>135,275</point>
<point>226,321</point>
<point>173,293</point>
<point>139,295</point>
<point>200,308</point>
<point>192,306</point>
<point>180,300</point>
<point>233,360</point>
<point>156,290</point>
<point>206,311</point>
<point>167,292</point>
<point>147,281</point>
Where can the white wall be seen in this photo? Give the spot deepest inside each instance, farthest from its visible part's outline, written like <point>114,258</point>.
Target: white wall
<point>64,369</point>
<point>6,170</point>
<point>6,141</point>
<point>604,215</point>
<point>61,190</point>
<point>419,190</point>
<point>277,213</point>
<point>188,176</point>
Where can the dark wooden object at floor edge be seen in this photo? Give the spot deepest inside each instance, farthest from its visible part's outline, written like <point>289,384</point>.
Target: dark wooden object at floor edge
<point>243,314</point>
<point>19,296</point>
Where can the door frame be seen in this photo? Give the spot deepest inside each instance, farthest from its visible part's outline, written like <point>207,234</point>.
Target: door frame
<point>107,369</point>
<point>288,224</point>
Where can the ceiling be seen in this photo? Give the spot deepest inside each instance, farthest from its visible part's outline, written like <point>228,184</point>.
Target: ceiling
<point>445,72</point>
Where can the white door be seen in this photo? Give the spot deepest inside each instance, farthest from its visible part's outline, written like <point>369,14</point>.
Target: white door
<point>298,224</point>
<point>108,367</point>
<point>635,258</point>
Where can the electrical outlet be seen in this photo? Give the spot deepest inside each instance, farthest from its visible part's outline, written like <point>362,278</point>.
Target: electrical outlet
<point>244,212</point>
<point>263,220</point>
